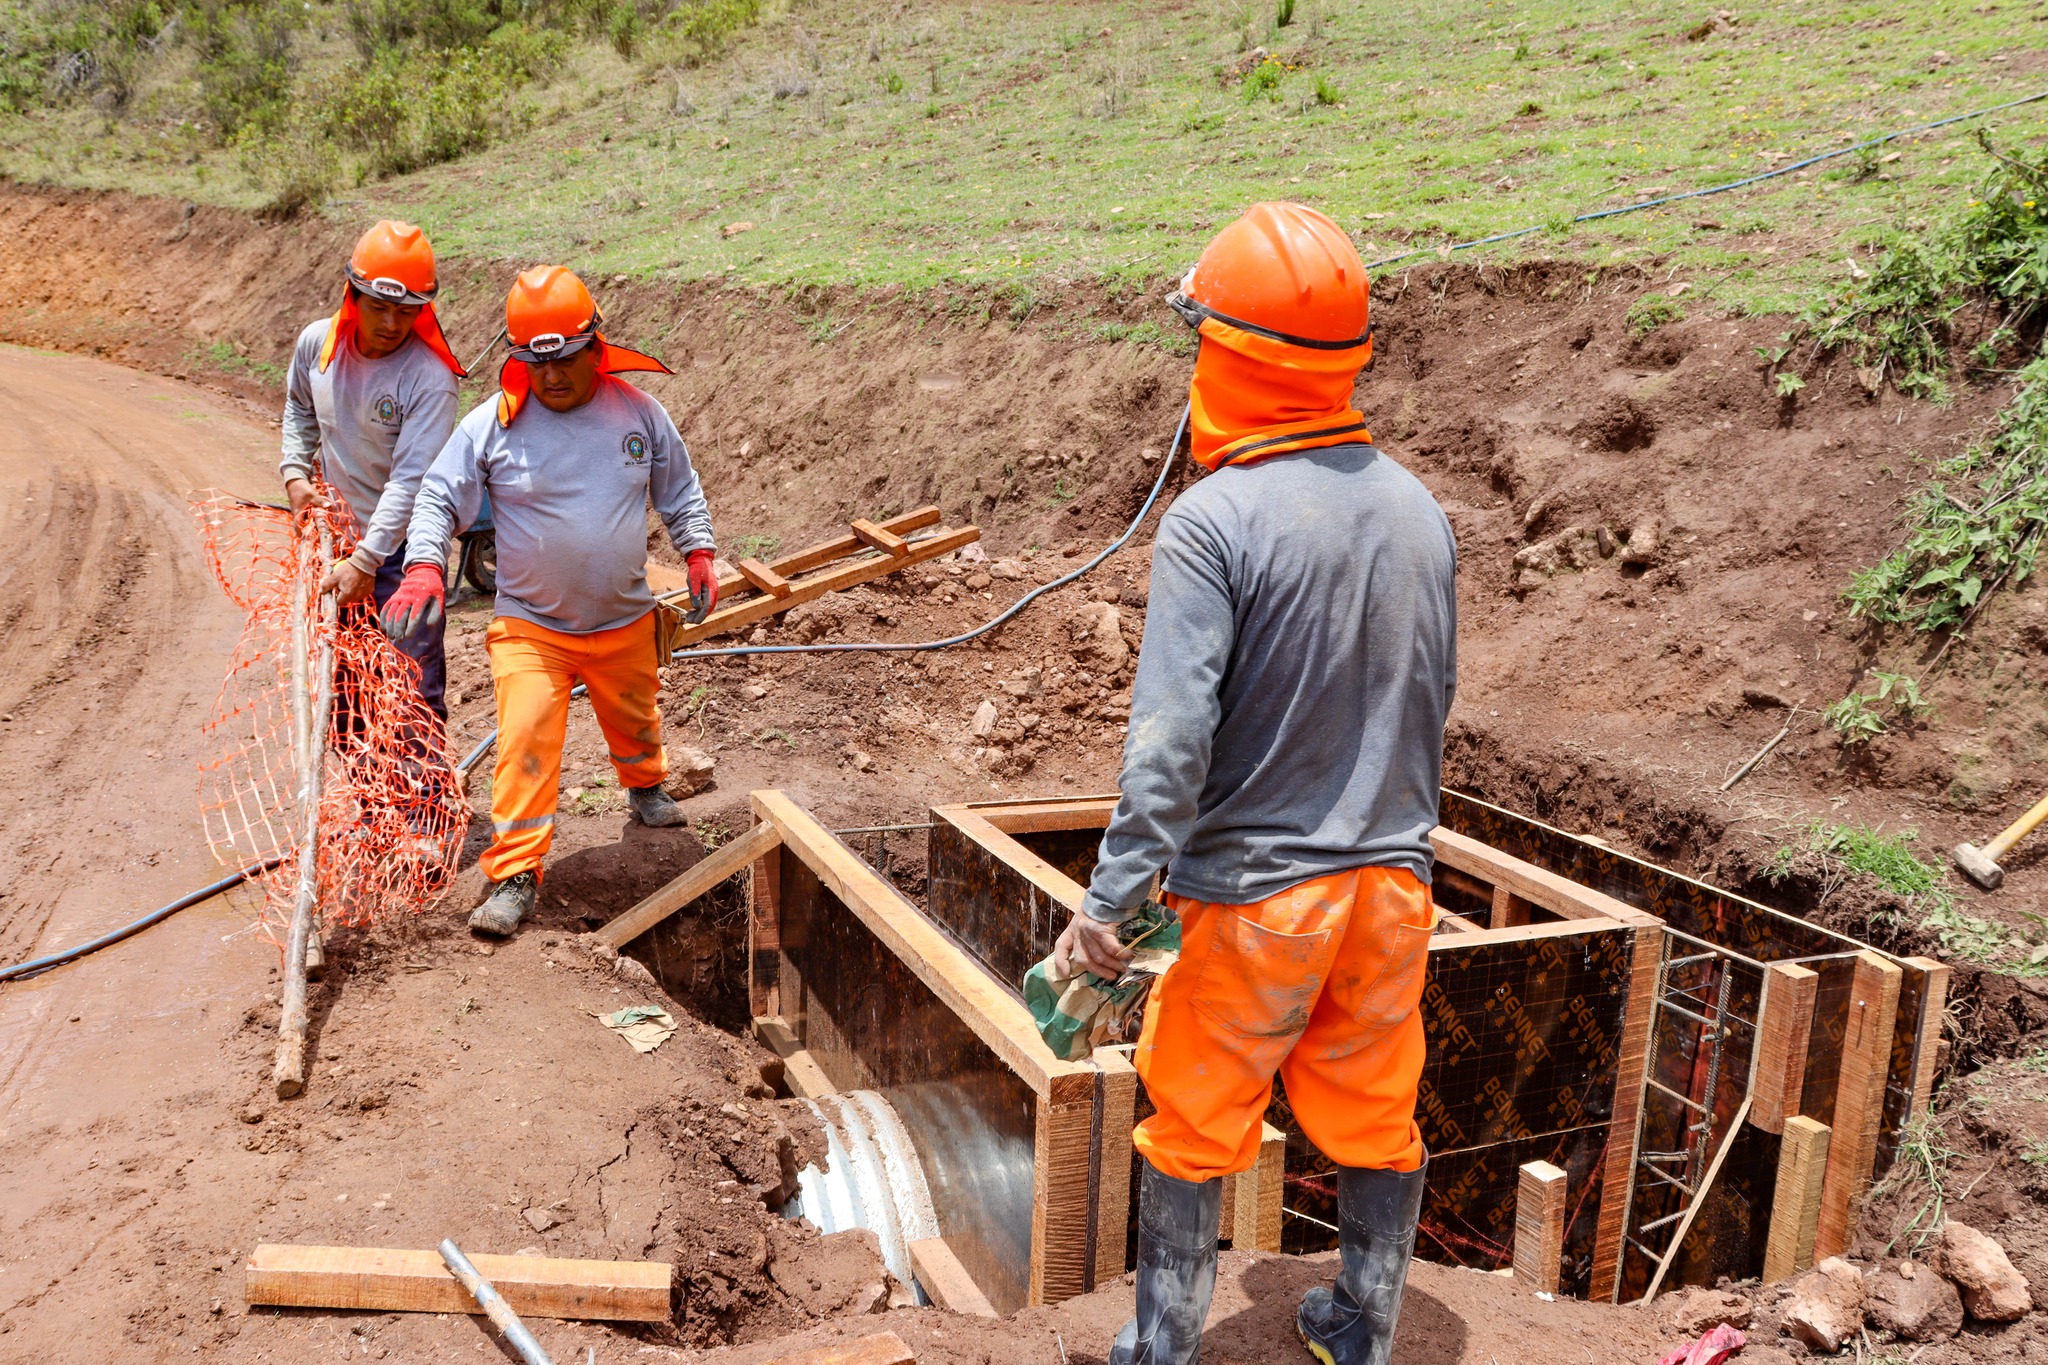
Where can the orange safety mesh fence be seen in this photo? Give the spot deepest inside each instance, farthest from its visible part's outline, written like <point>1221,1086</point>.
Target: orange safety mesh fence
<point>392,815</point>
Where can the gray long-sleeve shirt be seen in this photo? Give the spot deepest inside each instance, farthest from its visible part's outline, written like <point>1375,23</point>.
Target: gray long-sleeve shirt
<point>569,494</point>
<point>373,425</point>
<point>1299,661</point>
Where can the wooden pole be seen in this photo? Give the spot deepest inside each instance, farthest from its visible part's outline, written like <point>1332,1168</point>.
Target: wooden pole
<point>288,1074</point>
<point>1787,1024</point>
<point>1795,1208</point>
<point>1859,1098</point>
<point>1539,1227</point>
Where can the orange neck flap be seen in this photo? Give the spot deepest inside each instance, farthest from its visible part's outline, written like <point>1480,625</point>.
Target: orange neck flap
<point>426,327</point>
<point>1253,397</point>
<point>514,384</point>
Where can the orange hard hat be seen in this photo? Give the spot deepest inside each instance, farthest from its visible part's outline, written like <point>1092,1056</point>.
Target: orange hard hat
<point>550,314</point>
<point>392,261</point>
<point>1282,271</point>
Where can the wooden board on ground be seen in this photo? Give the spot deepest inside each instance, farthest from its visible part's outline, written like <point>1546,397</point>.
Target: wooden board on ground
<point>881,1348</point>
<point>946,1282</point>
<point>727,860</point>
<point>806,575</point>
<point>385,1280</point>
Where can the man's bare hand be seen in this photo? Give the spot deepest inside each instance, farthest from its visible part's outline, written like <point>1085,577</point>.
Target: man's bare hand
<point>305,497</point>
<point>348,583</point>
<point>1089,945</point>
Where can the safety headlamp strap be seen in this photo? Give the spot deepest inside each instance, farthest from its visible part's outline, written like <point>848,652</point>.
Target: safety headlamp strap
<point>389,289</point>
<point>1194,313</point>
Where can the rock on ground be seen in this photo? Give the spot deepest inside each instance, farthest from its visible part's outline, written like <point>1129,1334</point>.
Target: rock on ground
<point>689,770</point>
<point>1825,1309</point>
<point>1692,1311</point>
<point>1992,1290</point>
<point>1097,631</point>
<point>1912,1303</point>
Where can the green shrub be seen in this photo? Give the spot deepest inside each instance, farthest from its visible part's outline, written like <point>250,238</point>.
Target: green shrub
<point>695,31</point>
<point>1652,311</point>
<point>246,63</point>
<point>1264,80</point>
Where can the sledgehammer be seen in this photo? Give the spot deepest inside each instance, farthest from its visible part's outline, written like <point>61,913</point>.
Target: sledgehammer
<point>1981,865</point>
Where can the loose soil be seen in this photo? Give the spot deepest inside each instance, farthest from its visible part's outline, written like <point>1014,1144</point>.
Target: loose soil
<point>1651,548</point>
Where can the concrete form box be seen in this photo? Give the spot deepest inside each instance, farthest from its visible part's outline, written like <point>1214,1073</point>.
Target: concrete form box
<point>1535,1021</point>
<point>1019,1148</point>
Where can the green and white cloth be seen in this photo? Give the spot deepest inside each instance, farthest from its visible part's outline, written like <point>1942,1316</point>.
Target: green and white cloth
<point>1079,1013</point>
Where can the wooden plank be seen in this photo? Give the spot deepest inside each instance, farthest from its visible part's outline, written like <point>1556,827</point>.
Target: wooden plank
<point>800,1070</point>
<point>1034,817</point>
<point>1062,889</point>
<point>764,933</point>
<point>888,542</point>
<point>879,1348</point>
<point>1617,1169</point>
<point>1859,1098</point>
<point>1525,933</point>
<point>1699,1198</point>
<point>1509,910</point>
<point>998,1018</point>
<point>1539,1227</point>
<point>727,860</point>
<point>1927,1046</point>
<point>1458,924</point>
<point>1118,1098</point>
<point>1538,885</point>
<point>945,1281</point>
<point>749,610</point>
<point>1795,1208</point>
<point>1060,1215</point>
<point>383,1280</point>
<point>1782,1035</point>
<point>764,578</point>
<point>665,580</point>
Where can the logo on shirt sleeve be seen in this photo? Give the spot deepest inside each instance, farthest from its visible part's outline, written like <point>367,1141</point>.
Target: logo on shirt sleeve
<point>387,412</point>
<point>635,446</point>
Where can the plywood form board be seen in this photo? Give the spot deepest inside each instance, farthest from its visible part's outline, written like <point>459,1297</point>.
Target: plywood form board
<point>1859,1100</point>
<point>1916,1046</point>
<point>388,1280</point>
<point>1745,926</point>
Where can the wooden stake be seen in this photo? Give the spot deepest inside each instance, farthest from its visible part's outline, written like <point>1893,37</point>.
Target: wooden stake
<point>1795,1208</point>
<point>1927,1044</point>
<point>1509,910</point>
<point>1539,1227</point>
<point>1787,1023</point>
<point>1859,1098</point>
<point>727,860</point>
<point>288,1070</point>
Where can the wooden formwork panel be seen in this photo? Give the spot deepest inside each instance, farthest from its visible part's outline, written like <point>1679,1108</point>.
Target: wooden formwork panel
<point>1013,1140</point>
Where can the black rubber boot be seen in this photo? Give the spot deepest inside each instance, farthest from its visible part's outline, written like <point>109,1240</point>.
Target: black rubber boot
<point>1376,1215</point>
<point>1176,1270</point>
<point>509,903</point>
<point>653,806</point>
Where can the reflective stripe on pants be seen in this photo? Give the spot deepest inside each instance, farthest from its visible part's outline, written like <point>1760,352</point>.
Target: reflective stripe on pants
<point>1321,984</point>
<point>535,669</point>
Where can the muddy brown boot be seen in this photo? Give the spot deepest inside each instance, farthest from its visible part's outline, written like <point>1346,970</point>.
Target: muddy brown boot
<point>654,807</point>
<point>1376,1215</point>
<point>1177,1222</point>
<point>509,902</point>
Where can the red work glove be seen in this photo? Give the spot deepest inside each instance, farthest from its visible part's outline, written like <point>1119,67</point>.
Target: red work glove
<point>416,603</point>
<point>703,581</point>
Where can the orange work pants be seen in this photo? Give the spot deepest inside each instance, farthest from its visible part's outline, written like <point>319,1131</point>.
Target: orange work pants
<point>1320,983</point>
<point>535,669</point>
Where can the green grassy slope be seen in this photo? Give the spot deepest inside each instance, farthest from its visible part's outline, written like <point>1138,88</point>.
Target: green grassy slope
<point>1011,144</point>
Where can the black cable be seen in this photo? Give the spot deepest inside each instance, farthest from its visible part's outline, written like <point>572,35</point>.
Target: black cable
<point>37,966</point>
<point>909,647</point>
<point>1715,189</point>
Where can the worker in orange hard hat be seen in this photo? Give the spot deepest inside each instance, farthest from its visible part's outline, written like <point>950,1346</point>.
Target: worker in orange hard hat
<point>570,457</point>
<point>369,402</point>
<point>1282,769</point>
